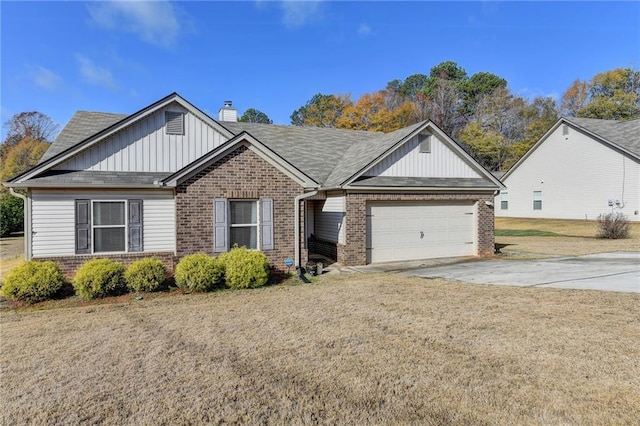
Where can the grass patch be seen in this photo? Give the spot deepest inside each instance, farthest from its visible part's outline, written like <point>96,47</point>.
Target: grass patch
<point>350,349</point>
<point>525,233</point>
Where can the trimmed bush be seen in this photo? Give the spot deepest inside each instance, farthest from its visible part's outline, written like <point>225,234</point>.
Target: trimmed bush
<point>613,226</point>
<point>145,274</point>
<point>245,268</point>
<point>33,281</point>
<point>100,278</point>
<point>199,272</point>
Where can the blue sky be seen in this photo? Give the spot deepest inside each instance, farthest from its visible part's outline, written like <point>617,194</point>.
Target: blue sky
<point>59,57</point>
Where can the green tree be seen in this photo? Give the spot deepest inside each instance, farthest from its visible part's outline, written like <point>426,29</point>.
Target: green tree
<point>612,95</point>
<point>480,84</point>
<point>413,85</point>
<point>253,115</point>
<point>321,111</point>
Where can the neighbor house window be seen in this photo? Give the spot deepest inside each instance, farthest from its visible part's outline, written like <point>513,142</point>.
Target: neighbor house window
<point>243,224</point>
<point>109,226</point>
<point>537,200</point>
<point>504,201</point>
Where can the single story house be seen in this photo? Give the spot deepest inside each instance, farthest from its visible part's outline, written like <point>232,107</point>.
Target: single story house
<point>579,169</point>
<point>169,180</point>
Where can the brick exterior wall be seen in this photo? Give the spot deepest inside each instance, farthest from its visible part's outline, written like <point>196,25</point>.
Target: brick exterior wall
<point>70,264</point>
<point>241,174</point>
<point>354,252</point>
<point>325,248</point>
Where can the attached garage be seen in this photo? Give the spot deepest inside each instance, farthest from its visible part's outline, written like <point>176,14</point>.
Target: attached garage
<point>420,230</point>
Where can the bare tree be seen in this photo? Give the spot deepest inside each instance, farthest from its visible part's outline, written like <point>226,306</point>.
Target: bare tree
<point>31,125</point>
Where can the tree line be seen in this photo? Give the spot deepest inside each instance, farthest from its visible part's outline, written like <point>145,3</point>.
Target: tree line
<point>493,124</point>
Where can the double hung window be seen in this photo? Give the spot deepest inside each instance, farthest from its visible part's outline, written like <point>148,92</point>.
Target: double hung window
<point>108,226</point>
<point>243,224</point>
<point>537,200</point>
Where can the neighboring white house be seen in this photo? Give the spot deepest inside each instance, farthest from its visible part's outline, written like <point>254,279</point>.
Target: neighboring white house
<point>579,169</point>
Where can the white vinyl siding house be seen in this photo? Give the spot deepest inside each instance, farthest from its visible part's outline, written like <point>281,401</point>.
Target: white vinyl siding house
<point>150,146</point>
<point>53,219</point>
<point>571,174</point>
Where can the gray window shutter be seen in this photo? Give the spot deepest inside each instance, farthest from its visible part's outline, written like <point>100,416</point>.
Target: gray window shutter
<point>220,225</point>
<point>83,226</point>
<point>266,222</point>
<point>135,225</point>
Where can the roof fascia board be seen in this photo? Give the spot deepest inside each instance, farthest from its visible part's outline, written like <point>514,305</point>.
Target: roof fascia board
<point>251,143</point>
<point>443,136</point>
<point>417,189</point>
<point>109,131</point>
<point>36,185</point>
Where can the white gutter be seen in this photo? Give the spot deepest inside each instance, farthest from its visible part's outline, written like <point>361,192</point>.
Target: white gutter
<point>27,223</point>
<point>297,223</point>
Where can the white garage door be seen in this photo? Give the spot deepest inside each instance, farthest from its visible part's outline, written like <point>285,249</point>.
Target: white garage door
<point>404,231</point>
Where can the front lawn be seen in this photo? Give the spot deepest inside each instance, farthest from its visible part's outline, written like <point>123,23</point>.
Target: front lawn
<point>569,237</point>
<point>349,349</point>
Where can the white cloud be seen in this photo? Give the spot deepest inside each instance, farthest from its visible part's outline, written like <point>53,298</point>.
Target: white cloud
<point>154,22</point>
<point>45,78</point>
<point>95,74</point>
<point>364,29</point>
<point>298,13</point>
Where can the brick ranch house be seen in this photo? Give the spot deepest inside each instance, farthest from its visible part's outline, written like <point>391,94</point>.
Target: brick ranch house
<point>169,180</point>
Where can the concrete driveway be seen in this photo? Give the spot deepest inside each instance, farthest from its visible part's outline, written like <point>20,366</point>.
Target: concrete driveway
<point>619,271</point>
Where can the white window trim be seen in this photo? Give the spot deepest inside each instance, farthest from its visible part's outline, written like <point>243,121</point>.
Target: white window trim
<point>504,198</point>
<point>537,199</point>
<point>125,226</point>
<point>245,225</point>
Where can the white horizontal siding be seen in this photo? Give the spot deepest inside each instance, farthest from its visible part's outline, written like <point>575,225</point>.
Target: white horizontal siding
<point>408,161</point>
<point>330,219</point>
<point>577,176</point>
<point>145,147</point>
<point>53,219</point>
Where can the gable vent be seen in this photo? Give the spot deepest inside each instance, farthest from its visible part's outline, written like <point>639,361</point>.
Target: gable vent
<point>565,130</point>
<point>174,122</point>
<point>425,142</point>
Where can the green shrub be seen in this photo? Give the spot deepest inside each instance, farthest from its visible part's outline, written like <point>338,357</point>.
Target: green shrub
<point>245,268</point>
<point>613,226</point>
<point>100,278</point>
<point>33,281</point>
<point>199,272</point>
<point>145,274</point>
<point>11,215</point>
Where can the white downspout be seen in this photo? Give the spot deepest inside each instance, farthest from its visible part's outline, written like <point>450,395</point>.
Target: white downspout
<point>27,223</point>
<point>297,223</point>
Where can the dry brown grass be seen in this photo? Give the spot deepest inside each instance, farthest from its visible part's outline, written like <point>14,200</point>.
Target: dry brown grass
<point>350,349</point>
<point>576,237</point>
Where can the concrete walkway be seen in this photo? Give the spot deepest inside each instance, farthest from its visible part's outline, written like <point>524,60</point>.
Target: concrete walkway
<point>618,271</point>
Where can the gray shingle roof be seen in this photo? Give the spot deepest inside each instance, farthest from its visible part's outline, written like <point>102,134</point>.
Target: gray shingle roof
<point>79,178</point>
<point>313,150</point>
<point>625,134</point>
<point>82,125</point>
